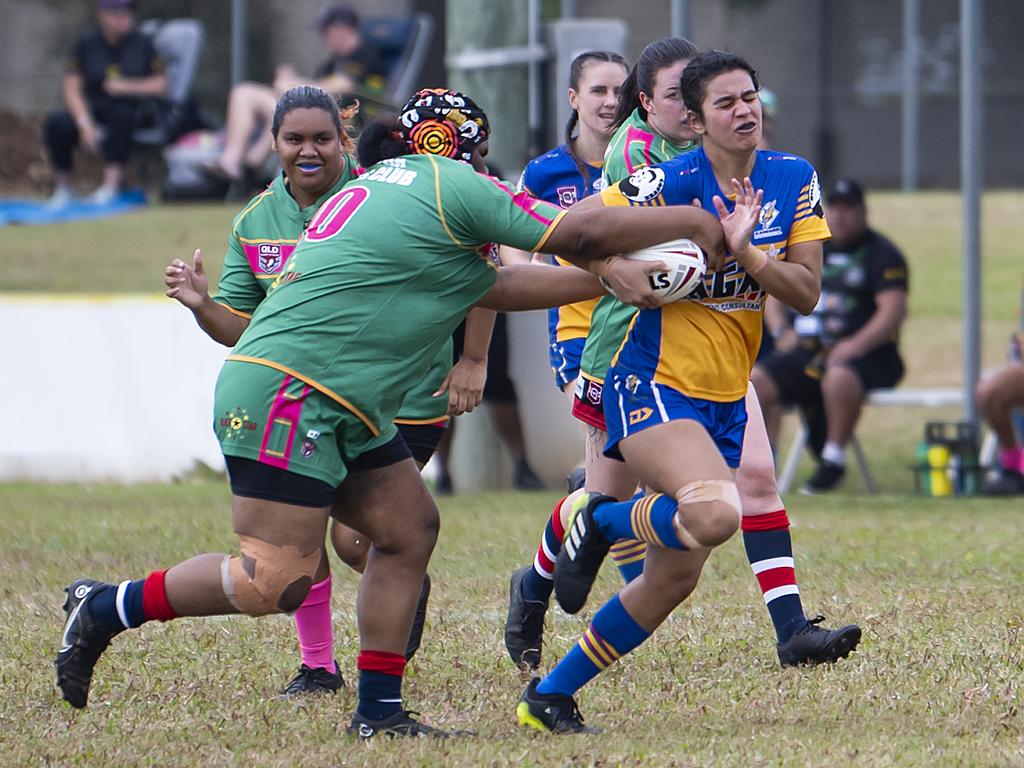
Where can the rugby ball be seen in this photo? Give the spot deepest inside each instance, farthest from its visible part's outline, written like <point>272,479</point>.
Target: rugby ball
<point>686,266</point>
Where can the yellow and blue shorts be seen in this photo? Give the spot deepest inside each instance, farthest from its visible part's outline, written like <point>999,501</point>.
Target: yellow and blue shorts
<point>632,405</point>
<point>564,357</point>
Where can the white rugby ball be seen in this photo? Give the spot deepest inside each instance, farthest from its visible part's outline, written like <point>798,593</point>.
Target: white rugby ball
<point>686,266</point>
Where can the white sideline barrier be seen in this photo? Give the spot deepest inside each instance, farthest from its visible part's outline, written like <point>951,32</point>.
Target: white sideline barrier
<point>120,388</point>
<point>105,389</point>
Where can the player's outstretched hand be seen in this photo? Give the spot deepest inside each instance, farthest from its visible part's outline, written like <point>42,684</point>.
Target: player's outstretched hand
<point>464,385</point>
<point>189,285</point>
<point>739,224</point>
<point>628,280</point>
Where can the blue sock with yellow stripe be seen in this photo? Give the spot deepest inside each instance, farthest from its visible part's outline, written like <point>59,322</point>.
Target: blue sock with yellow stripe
<point>612,634</point>
<point>628,556</point>
<point>648,518</point>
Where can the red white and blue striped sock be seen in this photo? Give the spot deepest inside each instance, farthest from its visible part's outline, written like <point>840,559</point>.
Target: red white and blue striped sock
<point>131,604</point>
<point>770,552</point>
<point>538,582</point>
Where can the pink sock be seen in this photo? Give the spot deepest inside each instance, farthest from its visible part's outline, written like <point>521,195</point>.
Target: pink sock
<point>313,626</point>
<point>1011,458</point>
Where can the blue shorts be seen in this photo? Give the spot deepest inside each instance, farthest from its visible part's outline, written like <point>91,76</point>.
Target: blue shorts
<point>632,405</point>
<point>564,357</point>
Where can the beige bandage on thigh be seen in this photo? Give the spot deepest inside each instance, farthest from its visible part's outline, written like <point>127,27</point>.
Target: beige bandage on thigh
<point>267,578</point>
<point>702,491</point>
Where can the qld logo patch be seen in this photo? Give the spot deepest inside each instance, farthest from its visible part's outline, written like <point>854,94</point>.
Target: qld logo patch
<point>270,257</point>
<point>566,196</point>
<point>644,185</point>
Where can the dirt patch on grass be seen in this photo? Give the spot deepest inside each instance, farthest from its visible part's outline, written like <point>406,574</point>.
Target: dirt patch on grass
<point>24,166</point>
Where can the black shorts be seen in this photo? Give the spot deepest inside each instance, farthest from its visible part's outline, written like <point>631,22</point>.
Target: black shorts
<point>422,439</point>
<point>799,379</point>
<point>256,480</point>
<point>499,387</point>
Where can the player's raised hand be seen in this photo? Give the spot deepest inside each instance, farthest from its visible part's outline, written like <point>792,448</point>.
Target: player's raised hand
<point>738,225</point>
<point>189,285</point>
<point>628,280</point>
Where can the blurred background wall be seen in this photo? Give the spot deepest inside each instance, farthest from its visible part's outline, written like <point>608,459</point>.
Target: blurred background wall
<point>835,66</point>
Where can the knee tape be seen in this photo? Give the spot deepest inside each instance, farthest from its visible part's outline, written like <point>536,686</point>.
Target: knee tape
<point>703,491</point>
<point>268,578</point>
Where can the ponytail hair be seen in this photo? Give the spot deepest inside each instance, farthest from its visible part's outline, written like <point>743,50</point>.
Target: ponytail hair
<point>575,72</point>
<point>380,140</point>
<point>656,56</point>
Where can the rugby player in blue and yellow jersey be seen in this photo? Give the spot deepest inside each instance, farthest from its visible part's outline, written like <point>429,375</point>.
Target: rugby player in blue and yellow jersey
<point>674,402</point>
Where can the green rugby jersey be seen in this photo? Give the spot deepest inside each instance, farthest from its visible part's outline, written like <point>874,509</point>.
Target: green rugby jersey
<point>633,146</point>
<point>362,316</point>
<point>263,236</point>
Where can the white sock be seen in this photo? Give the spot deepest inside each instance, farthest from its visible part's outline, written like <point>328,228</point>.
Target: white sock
<point>834,453</point>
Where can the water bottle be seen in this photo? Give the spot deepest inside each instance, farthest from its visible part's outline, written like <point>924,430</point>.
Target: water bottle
<point>938,461</point>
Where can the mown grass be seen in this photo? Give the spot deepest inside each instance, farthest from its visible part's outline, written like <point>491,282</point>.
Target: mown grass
<point>128,254</point>
<point>938,679</point>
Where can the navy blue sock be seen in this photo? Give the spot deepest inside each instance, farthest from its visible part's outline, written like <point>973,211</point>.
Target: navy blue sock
<point>647,518</point>
<point>536,588</point>
<point>117,607</point>
<point>380,684</point>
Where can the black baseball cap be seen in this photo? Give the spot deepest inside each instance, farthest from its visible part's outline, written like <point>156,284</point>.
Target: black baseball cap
<point>845,191</point>
<point>338,14</point>
<point>116,5</point>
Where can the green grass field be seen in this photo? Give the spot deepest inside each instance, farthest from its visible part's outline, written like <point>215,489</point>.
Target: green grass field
<point>938,679</point>
<point>936,584</point>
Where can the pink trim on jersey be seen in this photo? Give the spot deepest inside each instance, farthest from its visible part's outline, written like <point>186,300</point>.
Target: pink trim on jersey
<point>267,258</point>
<point>283,410</point>
<point>524,201</point>
<point>645,138</point>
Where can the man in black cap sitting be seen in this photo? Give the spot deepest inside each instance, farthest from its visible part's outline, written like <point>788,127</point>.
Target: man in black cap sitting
<point>825,363</point>
<point>110,70</point>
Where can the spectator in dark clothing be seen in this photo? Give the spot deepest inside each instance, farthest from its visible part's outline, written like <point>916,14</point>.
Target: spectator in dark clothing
<point>847,347</point>
<point>110,71</point>
<point>353,68</point>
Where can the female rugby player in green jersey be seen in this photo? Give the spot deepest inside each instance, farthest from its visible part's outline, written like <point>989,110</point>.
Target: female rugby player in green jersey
<point>316,160</point>
<point>314,384</point>
<point>675,403</point>
<point>650,127</point>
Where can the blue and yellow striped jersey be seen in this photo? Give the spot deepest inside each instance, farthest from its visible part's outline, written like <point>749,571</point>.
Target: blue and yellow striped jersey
<point>705,345</point>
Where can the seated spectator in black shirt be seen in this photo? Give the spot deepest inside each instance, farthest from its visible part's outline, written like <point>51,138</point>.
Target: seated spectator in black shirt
<point>848,345</point>
<point>352,69</point>
<point>110,71</point>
